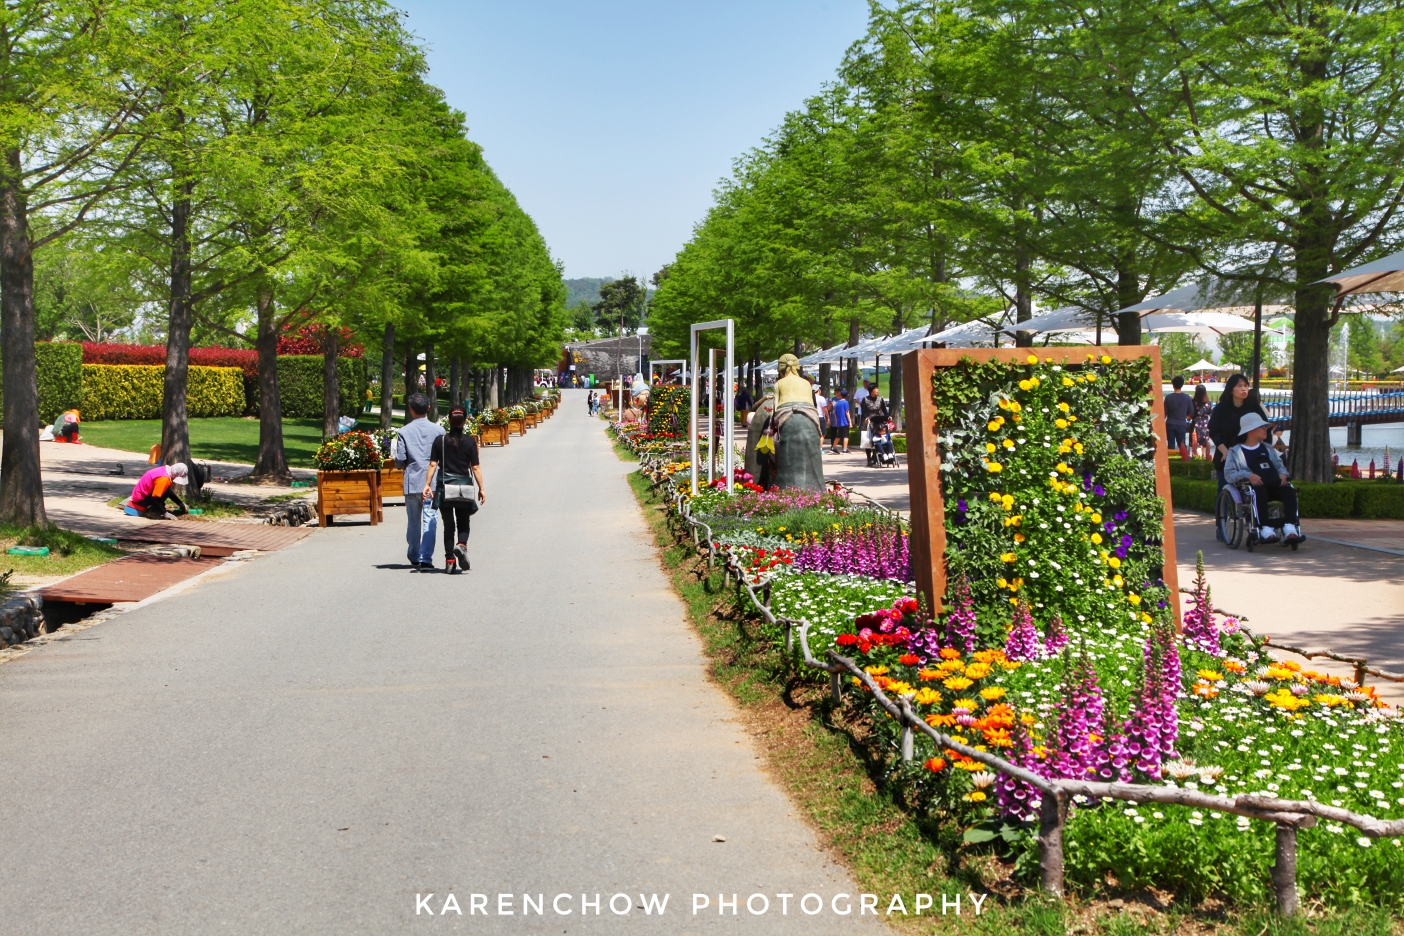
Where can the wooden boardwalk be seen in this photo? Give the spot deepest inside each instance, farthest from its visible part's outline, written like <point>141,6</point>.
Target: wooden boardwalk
<point>214,539</point>
<point>128,579</point>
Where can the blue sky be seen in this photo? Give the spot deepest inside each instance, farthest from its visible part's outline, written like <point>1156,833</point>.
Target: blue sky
<point>613,121</point>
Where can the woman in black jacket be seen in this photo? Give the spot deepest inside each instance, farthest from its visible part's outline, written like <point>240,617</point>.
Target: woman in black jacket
<point>1239,399</point>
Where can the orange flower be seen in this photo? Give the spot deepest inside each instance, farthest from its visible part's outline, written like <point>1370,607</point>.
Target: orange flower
<point>940,721</point>
<point>936,764</point>
<point>927,675</point>
<point>1233,666</point>
<point>950,653</point>
<point>999,737</point>
<point>1204,690</point>
<point>908,659</point>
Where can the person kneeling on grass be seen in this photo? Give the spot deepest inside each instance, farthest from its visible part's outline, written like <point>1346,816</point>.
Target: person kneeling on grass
<point>457,453</point>
<point>1257,463</point>
<point>154,489</point>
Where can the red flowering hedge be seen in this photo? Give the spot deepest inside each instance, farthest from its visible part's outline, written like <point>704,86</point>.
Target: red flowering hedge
<point>308,340</point>
<point>243,358</point>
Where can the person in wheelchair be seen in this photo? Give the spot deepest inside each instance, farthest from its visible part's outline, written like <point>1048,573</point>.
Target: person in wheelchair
<point>1253,461</point>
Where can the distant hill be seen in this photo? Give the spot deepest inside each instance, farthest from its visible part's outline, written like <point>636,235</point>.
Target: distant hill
<point>586,289</point>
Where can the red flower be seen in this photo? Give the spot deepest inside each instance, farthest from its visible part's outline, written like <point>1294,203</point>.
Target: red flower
<point>847,640</point>
<point>908,659</point>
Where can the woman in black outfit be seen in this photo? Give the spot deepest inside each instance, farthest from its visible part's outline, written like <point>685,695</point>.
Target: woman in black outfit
<point>458,454</point>
<point>1239,399</point>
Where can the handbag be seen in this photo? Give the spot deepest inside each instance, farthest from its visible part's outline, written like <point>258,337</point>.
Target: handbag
<point>459,489</point>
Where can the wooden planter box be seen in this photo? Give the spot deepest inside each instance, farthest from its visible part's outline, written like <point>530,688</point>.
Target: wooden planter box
<point>493,435</point>
<point>516,427</point>
<point>392,480</point>
<point>348,492</point>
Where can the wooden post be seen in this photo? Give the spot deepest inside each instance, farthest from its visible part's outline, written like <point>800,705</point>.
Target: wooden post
<point>908,744</point>
<point>1284,871</point>
<point>1052,814</point>
<point>835,688</point>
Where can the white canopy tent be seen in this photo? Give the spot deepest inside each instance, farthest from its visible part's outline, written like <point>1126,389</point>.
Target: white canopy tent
<point>1203,365</point>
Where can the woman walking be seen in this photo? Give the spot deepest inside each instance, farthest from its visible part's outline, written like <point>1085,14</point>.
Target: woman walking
<point>1202,409</point>
<point>459,490</point>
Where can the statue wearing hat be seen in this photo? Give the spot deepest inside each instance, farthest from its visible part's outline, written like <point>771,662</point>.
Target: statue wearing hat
<point>795,429</point>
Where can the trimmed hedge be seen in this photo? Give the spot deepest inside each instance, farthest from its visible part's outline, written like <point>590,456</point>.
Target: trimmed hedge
<point>300,385</point>
<point>102,353</point>
<point>1366,499</point>
<point>134,391</point>
<point>58,371</point>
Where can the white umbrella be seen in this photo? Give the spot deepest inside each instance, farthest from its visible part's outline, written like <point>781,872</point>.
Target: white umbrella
<point>1207,323</point>
<point>966,334</point>
<point>1066,319</point>
<point>823,356</point>
<point>1203,365</point>
<point>1398,370</point>
<point>1210,296</point>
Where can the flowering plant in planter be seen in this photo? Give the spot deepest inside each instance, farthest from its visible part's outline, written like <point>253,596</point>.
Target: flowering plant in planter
<point>351,451</point>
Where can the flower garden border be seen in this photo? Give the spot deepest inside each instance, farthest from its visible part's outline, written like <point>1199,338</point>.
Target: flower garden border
<point>1287,815</point>
<point>928,513</point>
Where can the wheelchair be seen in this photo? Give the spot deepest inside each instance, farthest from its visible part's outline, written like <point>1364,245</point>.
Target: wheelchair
<point>1239,517</point>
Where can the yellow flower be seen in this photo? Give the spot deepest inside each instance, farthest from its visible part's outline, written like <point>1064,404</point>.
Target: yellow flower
<point>1032,359</point>
<point>1007,501</point>
<point>1002,583</point>
<point>875,670</point>
<point>1065,407</point>
<point>994,496</point>
<point>992,693</point>
<point>1134,598</point>
<point>1285,700</point>
<point>991,448</point>
<point>972,766</point>
<point>1035,381</point>
<point>993,467</point>
<point>994,424</point>
<point>926,696</point>
<point>1019,537</point>
<point>1008,443</point>
<point>1331,700</point>
<point>1008,557</point>
<point>1097,538</point>
<point>975,797</point>
<point>977,670</point>
<point>1077,447</point>
<point>1009,665</point>
<point>1106,359</point>
<point>1118,581</point>
<point>951,666</point>
<point>957,683</point>
<point>1025,385</point>
<point>1061,423</point>
<point>1114,562</point>
<point>1209,675</point>
<point>1096,518</point>
<point>1279,672</point>
<point>1091,378</point>
<point>1145,618</point>
<point>1015,406</point>
<point>1067,381</point>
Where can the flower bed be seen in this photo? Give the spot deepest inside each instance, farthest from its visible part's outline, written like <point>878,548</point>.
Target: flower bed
<point>1057,650</point>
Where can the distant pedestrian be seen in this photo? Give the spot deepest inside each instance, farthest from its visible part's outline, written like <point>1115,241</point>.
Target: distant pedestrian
<point>413,447</point>
<point>839,422</point>
<point>459,490</point>
<point>1203,409</point>
<point>1179,410</point>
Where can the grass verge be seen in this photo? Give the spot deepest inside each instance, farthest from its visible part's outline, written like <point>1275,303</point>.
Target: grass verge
<point>222,438</point>
<point>821,756</point>
<point>69,552</point>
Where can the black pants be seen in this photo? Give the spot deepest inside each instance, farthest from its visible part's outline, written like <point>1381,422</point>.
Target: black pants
<point>451,516</point>
<point>1284,493</point>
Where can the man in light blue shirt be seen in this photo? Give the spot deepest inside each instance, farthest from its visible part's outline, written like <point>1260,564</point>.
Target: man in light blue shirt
<point>412,454</point>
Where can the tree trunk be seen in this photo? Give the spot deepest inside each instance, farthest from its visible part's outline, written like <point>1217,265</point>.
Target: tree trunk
<point>1023,299</point>
<point>1309,457</point>
<point>494,389</point>
<point>430,375</point>
<point>272,459</point>
<point>825,377</point>
<point>21,483</point>
<point>455,382</point>
<point>331,385</point>
<point>387,376</point>
<point>175,426</point>
<point>411,378</point>
<point>850,369</point>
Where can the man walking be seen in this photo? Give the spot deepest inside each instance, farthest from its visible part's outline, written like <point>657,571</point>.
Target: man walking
<point>1178,410</point>
<point>412,450</point>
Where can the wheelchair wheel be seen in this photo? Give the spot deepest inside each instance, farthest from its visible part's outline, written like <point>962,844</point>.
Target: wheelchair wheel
<point>1230,518</point>
<point>1250,540</point>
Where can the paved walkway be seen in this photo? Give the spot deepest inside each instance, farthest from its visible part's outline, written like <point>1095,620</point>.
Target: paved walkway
<point>303,743</point>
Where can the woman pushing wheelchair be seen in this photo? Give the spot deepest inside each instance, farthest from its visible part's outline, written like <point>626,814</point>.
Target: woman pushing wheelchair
<point>1256,473</point>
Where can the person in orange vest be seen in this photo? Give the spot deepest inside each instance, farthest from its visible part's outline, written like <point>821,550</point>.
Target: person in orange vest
<point>66,427</point>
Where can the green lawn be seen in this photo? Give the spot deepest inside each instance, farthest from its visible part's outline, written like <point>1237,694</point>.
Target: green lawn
<point>222,438</point>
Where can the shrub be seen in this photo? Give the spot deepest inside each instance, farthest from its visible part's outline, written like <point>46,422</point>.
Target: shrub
<point>1379,499</point>
<point>307,340</point>
<point>134,391</point>
<point>243,358</point>
<point>1325,500</point>
<point>58,374</point>
<point>300,385</point>
<point>58,371</point>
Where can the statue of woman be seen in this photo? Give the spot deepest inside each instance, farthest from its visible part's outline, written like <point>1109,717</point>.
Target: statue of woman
<point>799,463</point>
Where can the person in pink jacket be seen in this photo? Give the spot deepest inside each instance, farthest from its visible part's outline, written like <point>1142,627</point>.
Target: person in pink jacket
<point>154,489</point>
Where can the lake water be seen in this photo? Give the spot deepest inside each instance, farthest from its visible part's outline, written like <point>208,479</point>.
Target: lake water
<point>1374,441</point>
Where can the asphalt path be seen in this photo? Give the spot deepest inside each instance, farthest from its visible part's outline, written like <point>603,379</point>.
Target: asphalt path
<point>312,741</point>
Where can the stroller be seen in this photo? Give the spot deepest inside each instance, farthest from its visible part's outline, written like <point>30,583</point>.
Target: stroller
<point>1241,514</point>
<point>880,453</point>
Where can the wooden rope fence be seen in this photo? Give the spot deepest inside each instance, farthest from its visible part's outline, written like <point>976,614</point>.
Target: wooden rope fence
<point>1056,794</point>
